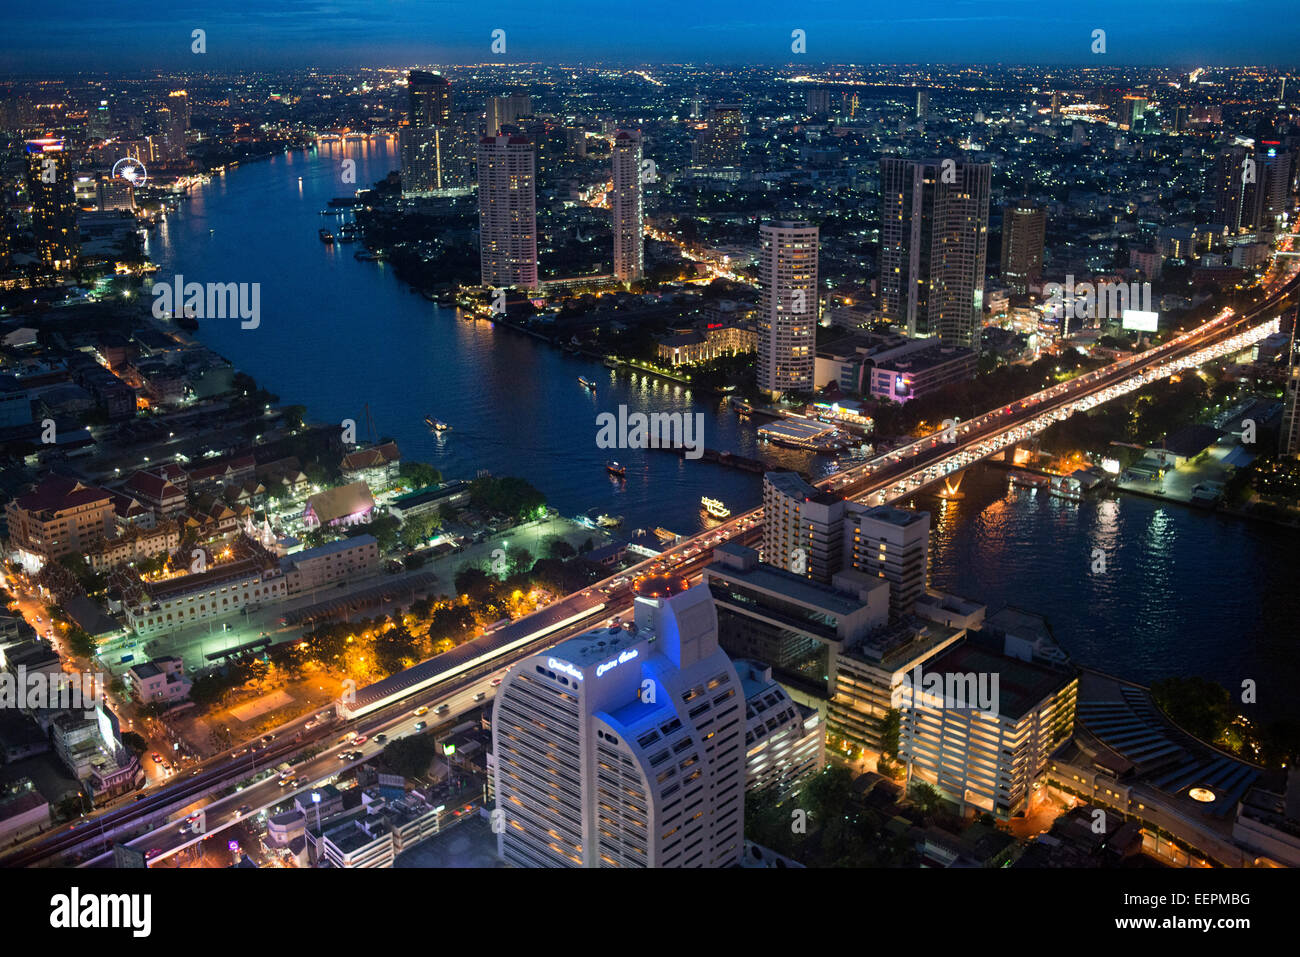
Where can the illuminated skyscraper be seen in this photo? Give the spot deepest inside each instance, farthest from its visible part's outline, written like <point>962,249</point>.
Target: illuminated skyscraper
<point>922,104</point>
<point>507,206</point>
<point>54,205</point>
<point>721,144</point>
<point>429,99</point>
<point>787,317</point>
<point>434,154</point>
<point>933,246</point>
<point>1023,227</point>
<point>178,105</point>
<point>1289,439</point>
<point>625,748</point>
<point>629,223</point>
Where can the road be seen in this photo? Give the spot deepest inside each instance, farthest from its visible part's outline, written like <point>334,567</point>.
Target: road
<point>886,478</point>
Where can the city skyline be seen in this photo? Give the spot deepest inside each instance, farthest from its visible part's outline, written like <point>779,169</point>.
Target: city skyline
<point>662,463</point>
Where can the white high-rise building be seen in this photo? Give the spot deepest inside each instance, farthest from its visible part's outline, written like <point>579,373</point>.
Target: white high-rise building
<point>894,544</point>
<point>787,317</point>
<point>803,527</point>
<point>625,200</point>
<point>507,207</point>
<point>625,747</point>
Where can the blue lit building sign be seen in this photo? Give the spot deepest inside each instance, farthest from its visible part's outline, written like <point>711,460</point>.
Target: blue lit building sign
<point>615,662</point>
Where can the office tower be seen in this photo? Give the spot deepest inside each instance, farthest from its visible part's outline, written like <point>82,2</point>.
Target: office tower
<point>1130,110</point>
<point>1056,108</point>
<point>985,759</point>
<point>1227,187</point>
<point>625,200</point>
<point>429,99</point>
<point>783,739</point>
<point>788,308</point>
<point>54,205</point>
<point>433,150</point>
<point>1024,224</point>
<point>507,207</point>
<point>819,102</point>
<point>178,105</point>
<point>506,110</point>
<point>894,544</point>
<point>933,245</point>
<point>803,527</point>
<point>1269,197</point>
<point>720,145</point>
<point>625,748</point>
<point>922,104</point>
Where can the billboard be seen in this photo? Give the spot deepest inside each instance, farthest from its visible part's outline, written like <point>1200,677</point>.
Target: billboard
<point>1140,321</point>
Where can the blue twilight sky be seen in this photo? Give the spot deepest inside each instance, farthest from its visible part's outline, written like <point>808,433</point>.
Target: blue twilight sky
<point>59,35</point>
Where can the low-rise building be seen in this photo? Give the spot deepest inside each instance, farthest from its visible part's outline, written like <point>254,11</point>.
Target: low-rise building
<point>379,467</point>
<point>345,559</point>
<point>349,504</point>
<point>160,680</point>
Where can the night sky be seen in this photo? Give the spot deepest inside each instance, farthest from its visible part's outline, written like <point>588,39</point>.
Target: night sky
<point>60,35</point>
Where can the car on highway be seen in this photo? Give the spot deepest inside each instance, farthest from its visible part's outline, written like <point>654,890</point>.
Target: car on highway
<point>268,738</point>
<point>381,738</point>
<point>480,696</point>
<point>243,809</point>
<point>157,758</point>
<point>186,827</point>
<point>497,681</point>
<point>152,853</point>
<point>284,782</point>
<point>344,755</point>
<point>297,782</point>
<point>360,739</point>
<point>443,709</point>
<point>423,709</point>
<point>421,725</point>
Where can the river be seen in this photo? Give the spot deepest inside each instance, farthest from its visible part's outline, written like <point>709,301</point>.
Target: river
<point>1183,592</point>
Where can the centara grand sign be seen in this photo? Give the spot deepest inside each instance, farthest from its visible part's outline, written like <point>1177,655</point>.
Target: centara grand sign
<point>602,669</point>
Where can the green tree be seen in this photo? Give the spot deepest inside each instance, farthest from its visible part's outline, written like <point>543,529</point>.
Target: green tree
<point>420,474</point>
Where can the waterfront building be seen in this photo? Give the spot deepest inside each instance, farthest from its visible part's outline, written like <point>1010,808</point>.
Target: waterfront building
<point>893,367</point>
<point>625,201</point>
<point>783,739</point>
<point>379,466</point>
<point>54,204</point>
<point>1024,225</point>
<point>507,206</point>
<point>893,544</point>
<point>788,309</point>
<point>933,246</point>
<point>625,747</point>
<point>803,527</point>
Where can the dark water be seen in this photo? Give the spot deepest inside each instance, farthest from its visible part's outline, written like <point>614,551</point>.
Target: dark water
<point>1183,592</point>
<point>337,335</point>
